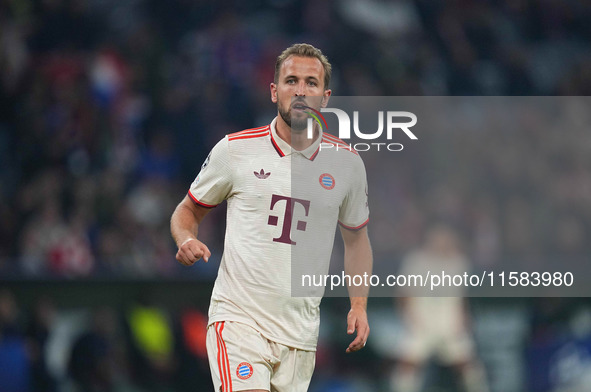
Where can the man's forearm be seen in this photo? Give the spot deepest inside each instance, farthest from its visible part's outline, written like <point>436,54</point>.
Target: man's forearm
<point>358,262</point>
<point>184,224</point>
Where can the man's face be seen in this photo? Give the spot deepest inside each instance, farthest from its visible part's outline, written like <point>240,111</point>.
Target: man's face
<point>300,84</point>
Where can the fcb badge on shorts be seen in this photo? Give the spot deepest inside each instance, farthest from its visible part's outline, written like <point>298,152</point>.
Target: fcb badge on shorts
<point>244,371</point>
<point>326,181</point>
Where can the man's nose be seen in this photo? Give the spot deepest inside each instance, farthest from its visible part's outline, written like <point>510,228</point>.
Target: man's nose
<point>300,92</point>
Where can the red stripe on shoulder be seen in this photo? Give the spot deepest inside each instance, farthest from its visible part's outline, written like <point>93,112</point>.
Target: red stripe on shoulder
<point>336,140</point>
<point>333,137</point>
<point>200,203</point>
<point>251,130</point>
<point>248,136</point>
<point>334,143</point>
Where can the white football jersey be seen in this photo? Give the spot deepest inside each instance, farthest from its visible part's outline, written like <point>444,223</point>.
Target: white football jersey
<point>283,208</point>
<point>443,313</point>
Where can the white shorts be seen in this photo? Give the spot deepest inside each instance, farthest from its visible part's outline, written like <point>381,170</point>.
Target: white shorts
<point>240,358</point>
<point>449,348</point>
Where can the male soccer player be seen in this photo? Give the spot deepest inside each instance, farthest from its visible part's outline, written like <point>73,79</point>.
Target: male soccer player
<point>285,193</point>
<point>436,327</point>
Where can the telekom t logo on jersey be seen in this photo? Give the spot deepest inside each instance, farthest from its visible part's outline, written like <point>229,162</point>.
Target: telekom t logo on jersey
<point>290,203</point>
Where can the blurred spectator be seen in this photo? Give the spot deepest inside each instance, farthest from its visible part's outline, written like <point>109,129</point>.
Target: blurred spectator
<point>95,363</point>
<point>15,366</point>
<point>559,353</point>
<point>193,367</point>
<point>108,96</point>
<point>38,331</point>
<point>42,236</point>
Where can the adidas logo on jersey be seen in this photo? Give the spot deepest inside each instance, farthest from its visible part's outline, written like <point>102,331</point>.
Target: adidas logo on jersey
<point>262,175</point>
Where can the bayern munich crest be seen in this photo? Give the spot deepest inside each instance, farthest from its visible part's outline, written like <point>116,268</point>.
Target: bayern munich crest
<point>326,181</point>
<point>244,370</point>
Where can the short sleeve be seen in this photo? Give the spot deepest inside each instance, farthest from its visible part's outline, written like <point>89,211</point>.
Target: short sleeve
<point>213,184</point>
<point>354,211</point>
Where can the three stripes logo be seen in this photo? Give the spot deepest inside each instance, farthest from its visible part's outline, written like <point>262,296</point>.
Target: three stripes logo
<point>326,181</point>
<point>244,370</point>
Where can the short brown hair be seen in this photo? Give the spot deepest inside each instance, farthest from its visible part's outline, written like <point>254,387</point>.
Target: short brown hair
<point>304,50</point>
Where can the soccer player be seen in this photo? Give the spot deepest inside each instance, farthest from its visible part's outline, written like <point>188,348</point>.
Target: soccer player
<point>286,193</point>
<point>436,327</point>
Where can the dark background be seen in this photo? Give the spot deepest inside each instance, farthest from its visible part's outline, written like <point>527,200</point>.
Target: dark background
<point>108,108</point>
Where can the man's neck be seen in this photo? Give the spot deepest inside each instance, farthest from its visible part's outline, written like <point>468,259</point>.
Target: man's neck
<point>297,140</point>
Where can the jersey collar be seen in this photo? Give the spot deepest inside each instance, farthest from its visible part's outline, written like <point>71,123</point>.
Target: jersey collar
<point>284,149</point>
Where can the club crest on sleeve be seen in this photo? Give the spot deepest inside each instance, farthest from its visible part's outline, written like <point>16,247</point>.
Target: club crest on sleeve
<point>326,181</point>
<point>206,162</point>
<point>244,370</point>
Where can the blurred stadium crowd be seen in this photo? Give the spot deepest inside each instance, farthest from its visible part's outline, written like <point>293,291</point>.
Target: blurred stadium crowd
<point>108,108</point>
<point>86,350</point>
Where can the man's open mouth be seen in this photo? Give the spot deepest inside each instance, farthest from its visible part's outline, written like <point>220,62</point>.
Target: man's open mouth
<point>299,106</point>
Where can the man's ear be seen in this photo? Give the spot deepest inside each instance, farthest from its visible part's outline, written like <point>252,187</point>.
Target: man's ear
<point>325,98</point>
<point>273,88</point>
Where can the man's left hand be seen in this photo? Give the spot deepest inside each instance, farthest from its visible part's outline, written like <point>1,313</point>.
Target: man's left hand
<point>357,321</point>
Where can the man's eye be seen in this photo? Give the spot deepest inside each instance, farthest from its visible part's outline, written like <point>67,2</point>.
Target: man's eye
<point>290,81</point>
<point>313,84</point>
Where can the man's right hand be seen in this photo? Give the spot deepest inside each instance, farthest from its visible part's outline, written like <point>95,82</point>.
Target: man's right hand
<point>192,250</point>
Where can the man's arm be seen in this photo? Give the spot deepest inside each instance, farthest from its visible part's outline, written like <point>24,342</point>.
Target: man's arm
<point>358,261</point>
<point>184,226</point>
